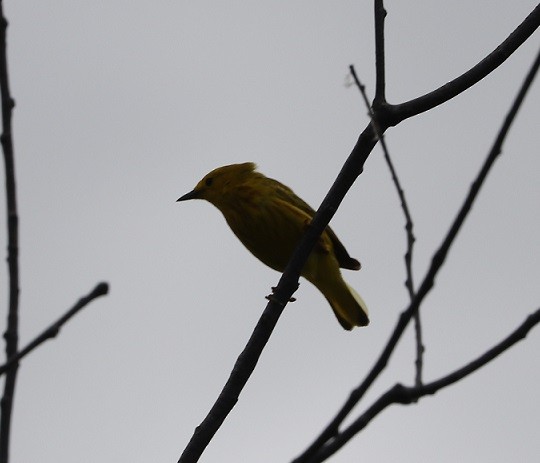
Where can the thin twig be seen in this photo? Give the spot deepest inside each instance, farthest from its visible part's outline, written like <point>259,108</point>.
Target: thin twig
<point>11,334</point>
<point>399,394</point>
<point>332,429</point>
<point>50,332</point>
<point>409,282</point>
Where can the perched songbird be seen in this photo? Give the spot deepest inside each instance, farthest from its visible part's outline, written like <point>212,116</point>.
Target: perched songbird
<point>269,219</point>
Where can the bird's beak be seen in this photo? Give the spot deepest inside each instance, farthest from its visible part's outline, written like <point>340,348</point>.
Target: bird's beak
<point>191,195</point>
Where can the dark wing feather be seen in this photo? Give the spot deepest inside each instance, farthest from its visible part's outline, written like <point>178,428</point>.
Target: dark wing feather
<point>343,257</point>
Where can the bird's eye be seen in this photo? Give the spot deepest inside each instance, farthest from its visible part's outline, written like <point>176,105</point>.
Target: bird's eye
<point>209,181</point>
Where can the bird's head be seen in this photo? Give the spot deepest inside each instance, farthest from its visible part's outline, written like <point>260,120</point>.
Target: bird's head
<point>215,185</point>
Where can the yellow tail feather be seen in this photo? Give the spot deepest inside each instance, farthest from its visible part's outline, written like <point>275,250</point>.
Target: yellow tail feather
<point>349,308</point>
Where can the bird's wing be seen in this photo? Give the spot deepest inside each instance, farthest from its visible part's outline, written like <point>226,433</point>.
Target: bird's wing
<point>343,257</point>
<point>287,195</point>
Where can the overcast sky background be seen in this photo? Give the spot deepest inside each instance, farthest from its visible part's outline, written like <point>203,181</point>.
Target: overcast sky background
<point>122,106</point>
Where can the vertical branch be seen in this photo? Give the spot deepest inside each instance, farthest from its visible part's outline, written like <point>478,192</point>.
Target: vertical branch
<point>419,361</point>
<point>380,92</point>
<point>11,334</point>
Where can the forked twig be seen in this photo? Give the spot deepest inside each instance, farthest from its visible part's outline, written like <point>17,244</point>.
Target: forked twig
<point>50,332</point>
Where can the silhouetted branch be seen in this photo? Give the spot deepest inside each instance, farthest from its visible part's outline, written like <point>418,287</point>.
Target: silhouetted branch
<point>400,394</point>
<point>389,115</point>
<point>408,228</point>
<point>100,290</point>
<point>380,65</point>
<point>386,116</point>
<point>11,334</point>
<point>244,366</point>
<point>332,429</point>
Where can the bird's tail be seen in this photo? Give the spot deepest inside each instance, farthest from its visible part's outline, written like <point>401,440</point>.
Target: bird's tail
<point>349,308</point>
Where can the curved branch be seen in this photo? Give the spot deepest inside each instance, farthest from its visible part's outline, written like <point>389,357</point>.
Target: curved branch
<point>389,115</point>
<point>400,394</point>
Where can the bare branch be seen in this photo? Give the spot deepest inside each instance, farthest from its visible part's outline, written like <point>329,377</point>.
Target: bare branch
<point>100,290</point>
<point>11,334</point>
<point>400,394</point>
<point>380,65</point>
<point>244,366</point>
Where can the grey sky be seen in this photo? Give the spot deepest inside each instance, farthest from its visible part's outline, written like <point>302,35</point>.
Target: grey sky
<point>123,106</point>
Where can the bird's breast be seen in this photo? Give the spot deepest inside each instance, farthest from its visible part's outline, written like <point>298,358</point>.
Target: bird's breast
<point>265,230</point>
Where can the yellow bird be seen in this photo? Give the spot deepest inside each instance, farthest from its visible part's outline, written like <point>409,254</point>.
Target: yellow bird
<point>269,219</point>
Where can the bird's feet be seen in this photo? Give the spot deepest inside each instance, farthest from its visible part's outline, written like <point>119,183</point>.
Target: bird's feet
<point>272,298</point>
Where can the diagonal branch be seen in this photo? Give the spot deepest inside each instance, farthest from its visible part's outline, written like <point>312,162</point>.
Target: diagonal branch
<point>332,429</point>
<point>400,394</point>
<point>283,292</point>
<point>100,290</point>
